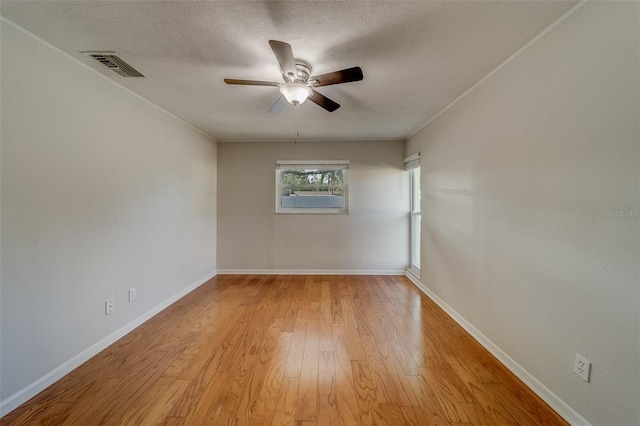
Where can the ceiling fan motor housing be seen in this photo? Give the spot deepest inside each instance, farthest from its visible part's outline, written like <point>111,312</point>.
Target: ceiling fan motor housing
<point>304,71</point>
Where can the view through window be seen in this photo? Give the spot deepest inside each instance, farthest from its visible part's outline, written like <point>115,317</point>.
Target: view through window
<point>312,187</point>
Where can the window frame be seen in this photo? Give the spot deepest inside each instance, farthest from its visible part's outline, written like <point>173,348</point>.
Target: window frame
<point>412,166</point>
<point>283,165</point>
<point>415,220</point>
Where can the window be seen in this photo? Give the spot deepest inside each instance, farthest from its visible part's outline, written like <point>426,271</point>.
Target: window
<point>312,186</point>
<point>415,217</point>
<point>412,164</point>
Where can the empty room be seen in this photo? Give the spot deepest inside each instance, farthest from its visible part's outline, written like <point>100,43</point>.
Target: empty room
<point>320,212</point>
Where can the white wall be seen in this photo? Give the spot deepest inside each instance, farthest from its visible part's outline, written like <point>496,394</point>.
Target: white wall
<point>101,192</point>
<point>374,236</point>
<point>517,178</point>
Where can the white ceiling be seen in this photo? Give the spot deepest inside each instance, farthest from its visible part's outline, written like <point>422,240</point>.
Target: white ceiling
<point>416,56</point>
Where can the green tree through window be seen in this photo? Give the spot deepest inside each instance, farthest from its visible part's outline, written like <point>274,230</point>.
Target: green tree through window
<point>331,181</point>
<point>304,186</point>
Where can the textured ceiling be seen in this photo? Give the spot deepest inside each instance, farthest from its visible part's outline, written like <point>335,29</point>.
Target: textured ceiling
<point>416,56</point>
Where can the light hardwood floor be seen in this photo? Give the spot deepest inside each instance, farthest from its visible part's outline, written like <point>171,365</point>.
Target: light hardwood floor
<point>292,350</point>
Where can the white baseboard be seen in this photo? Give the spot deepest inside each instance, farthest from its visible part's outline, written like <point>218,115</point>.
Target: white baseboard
<point>561,407</point>
<point>411,274</point>
<point>309,272</point>
<point>28,392</point>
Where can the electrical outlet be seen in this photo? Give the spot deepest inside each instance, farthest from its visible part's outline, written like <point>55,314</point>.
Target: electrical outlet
<point>132,294</point>
<point>582,367</point>
<point>108,306</point>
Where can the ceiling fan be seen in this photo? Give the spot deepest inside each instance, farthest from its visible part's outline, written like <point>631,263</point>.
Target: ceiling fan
<point>298,83</point>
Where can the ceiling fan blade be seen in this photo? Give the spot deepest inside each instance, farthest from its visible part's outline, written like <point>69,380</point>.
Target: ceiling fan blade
<point>323,101</point>
<point>337,77</point>
<point>279,105</point>
<point>251,82</point>
<point>285,58</point>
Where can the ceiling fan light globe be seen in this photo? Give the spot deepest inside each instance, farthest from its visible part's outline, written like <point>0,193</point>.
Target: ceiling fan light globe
<point>295,93</point>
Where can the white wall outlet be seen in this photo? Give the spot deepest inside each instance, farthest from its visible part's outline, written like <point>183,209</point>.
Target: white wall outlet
<point>132,294</point>
<point>108,306</point>
<point>582,367</point>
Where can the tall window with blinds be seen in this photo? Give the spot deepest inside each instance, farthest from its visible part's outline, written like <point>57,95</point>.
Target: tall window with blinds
<point>319,187</point>
<point>412,165</point>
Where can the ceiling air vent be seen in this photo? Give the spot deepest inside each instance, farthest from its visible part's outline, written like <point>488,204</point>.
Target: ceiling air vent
<point>115,64</point>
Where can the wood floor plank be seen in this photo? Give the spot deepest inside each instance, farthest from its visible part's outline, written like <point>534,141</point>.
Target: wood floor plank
<point>388,389</point>
<point>336,304</point>
<point>396,375</point>
<point>479,416</point>
<point>328,413</point>
<point>523,411</point>
<point>42,414</point>
<point>494,409</point>
<point>416,416</point>
<point>392,414</point>
<point>152,406</point>
<point>290,316</point>
<point>346,396</point>
<point>94,406</point>
<point>296,350</point>
<point>263,408</point>
<point>325,301</point>
<point>295,357</point>
<point>70,389</point>
<point>241,377</point>
<point>251,409</point>
<point>174,421</point>
<point>212,402</point>
<point>446,379</point>
<point>346,334</point>
<point>206,344</point>
<point>285,409</point>
<point>325,336</point>
<point>446,400</point>
<point>238,340</point>
<point>307,404</point>
<point>428,402</point>
<point>385,288</point>
<point>367,394</point>
<point>129,390</point>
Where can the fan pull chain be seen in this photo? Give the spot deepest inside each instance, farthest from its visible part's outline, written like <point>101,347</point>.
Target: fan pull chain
<point>295,115</point>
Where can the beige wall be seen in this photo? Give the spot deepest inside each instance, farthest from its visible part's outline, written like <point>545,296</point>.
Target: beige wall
<point>374,236</point>
<point>517,180</point>
<point>101,192</point>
